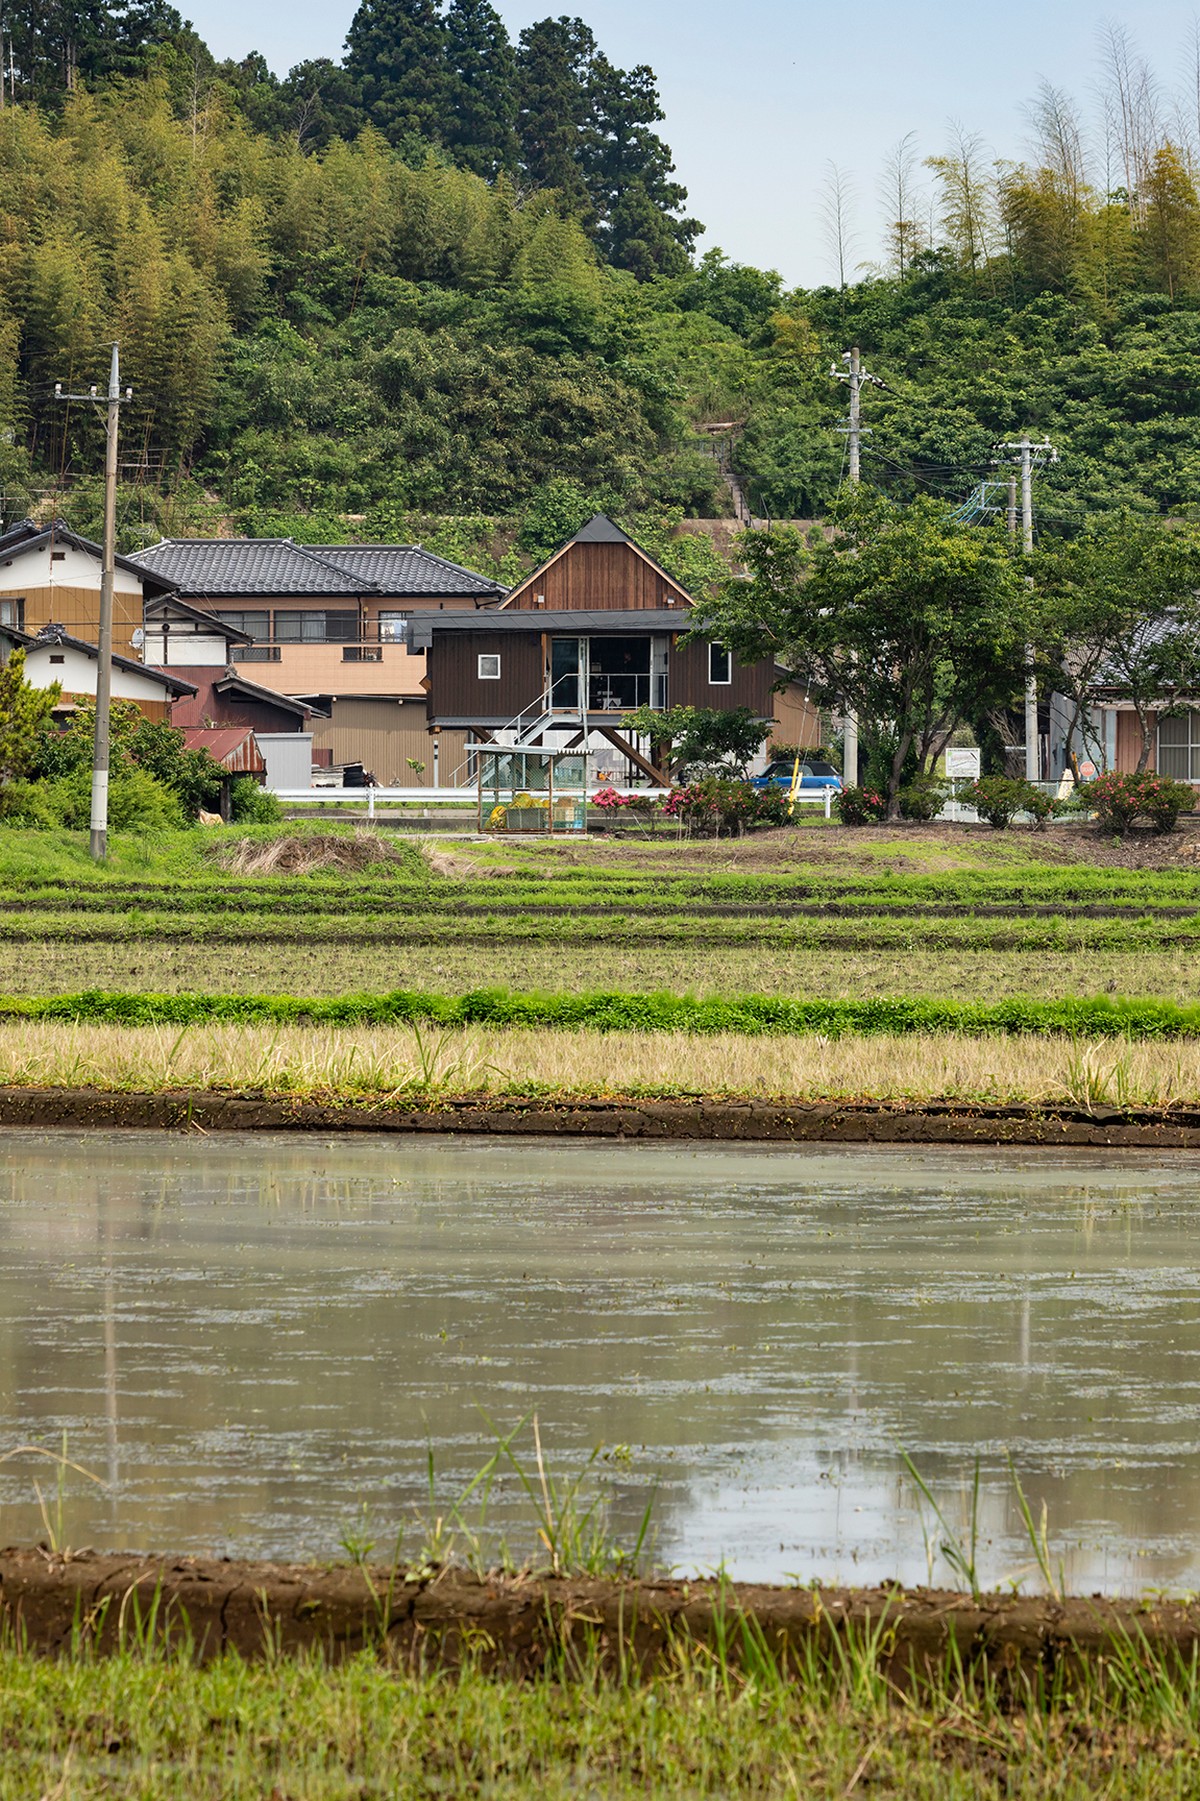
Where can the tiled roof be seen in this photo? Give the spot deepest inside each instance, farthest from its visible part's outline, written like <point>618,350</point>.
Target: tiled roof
<point>220,568</point>
<point>406,569</point>
<point>227,568</point>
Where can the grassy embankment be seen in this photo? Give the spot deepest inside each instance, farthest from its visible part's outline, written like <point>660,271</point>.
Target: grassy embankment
<point>152,1726</point>
<point>973,918</point>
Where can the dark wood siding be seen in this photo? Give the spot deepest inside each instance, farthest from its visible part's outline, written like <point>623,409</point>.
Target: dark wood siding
<point>599,578</point>
<point>453,673</point>
<point>688,684</point>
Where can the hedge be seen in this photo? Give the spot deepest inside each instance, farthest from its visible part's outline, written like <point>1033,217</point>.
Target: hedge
<point>1103,1016</point>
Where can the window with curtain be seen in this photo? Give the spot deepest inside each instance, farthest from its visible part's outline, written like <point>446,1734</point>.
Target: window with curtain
<point>1179,746</point>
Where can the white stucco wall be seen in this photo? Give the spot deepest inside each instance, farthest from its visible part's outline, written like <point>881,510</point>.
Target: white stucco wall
<point>77,673</point>
<point>73,569</point>
<point>181,647</point>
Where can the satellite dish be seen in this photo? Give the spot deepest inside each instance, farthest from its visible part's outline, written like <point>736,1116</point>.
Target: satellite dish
<point>138,638</point>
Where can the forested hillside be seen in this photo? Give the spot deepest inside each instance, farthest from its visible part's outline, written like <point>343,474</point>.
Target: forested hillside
<point>446,288</point>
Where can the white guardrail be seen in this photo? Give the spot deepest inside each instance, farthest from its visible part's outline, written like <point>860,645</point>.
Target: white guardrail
<point>370,798</point>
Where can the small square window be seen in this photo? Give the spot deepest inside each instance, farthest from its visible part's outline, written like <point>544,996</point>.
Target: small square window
<point>58,659</point>
<point>720,666</point>
<point>489,667</point>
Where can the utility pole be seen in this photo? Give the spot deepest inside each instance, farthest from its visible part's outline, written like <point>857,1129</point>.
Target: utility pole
<point>1025,449</point>
<point>856,375</point>
<point>100,748</point>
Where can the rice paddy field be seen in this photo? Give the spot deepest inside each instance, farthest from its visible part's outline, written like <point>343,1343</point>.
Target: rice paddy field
<point>931,919</point>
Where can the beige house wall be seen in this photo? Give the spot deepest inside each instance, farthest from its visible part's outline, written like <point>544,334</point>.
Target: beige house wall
<point>382,734</point>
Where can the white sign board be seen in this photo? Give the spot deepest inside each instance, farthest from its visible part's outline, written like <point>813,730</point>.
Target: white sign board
<point>964,763</point>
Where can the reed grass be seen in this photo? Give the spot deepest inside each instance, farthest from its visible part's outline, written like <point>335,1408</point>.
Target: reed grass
<point>380,1063</point>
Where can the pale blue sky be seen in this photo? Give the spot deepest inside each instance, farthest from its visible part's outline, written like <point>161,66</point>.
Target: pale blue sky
<point>760,94</point>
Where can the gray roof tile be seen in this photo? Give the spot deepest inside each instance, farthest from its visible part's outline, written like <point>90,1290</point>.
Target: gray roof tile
<point>228,568</point>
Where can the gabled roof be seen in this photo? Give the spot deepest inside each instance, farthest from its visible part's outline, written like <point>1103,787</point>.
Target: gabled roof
<point>52,635</point>
<point>225,568</point>
<point>228,568</point>
<point>233,682</point>
<point>407,569</point>
<point>171,603</point>
<point>20,539</point>
<point>599,529</point>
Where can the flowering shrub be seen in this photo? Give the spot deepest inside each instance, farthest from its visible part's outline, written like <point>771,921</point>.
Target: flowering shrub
<point>714,805</point>
<point>997,798</point>
<point>860,806</point>
<point>609,801</point>
<point>1120,799</point>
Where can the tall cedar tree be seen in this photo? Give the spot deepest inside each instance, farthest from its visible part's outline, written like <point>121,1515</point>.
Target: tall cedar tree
<point>396,55</point>
<point>554,59</point>
<point>57,44</point>
<point>480,128</point>
<point>628,173</point>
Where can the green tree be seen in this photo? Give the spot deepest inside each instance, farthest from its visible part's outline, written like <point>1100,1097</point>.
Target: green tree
<point>554,59</point>
<point>396,55</point>
<point>629,171</point>
<point>1123,612</point>
<point>480,127</point>
<point>24,710</point>
<point>703,740</point>
<point>906,617</point>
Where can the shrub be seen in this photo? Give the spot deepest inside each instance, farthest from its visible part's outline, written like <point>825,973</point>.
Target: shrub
<point>137,802</point>
<point>251,805</point>
<point>999,798</point>
<point>921,800</point>
<point>713,806</point>
<point>27,804</point>
<point>860,806</point>
<point>1119,800</point>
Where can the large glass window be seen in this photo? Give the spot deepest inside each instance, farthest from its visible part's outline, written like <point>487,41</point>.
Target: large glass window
<point>256,623</point>
<point>315,626</point>
<point>720,666</point>
<point>1179,747</point>
<point>12,612</point>
<point>393,628</point>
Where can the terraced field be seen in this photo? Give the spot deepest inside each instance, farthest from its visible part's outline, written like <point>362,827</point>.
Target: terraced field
<point>838,915</point>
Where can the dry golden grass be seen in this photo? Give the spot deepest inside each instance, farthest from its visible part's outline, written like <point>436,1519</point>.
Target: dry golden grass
<point>357,1063</point>
<point>308,852</point>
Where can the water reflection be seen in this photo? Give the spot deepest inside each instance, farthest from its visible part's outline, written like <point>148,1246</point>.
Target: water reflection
<point>255,1339</point>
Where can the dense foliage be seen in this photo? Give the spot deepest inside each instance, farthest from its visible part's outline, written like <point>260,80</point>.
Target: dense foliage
<point>420,291</point>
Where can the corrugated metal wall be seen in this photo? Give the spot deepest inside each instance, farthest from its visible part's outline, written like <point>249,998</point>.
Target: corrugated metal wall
<point>382,734</point>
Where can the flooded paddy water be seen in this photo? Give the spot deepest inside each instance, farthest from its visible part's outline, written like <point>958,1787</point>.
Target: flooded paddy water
<point>256,1341</point>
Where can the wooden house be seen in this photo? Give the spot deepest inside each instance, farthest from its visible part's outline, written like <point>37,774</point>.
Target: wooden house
<point>49,575</point>
<point>598,630</point>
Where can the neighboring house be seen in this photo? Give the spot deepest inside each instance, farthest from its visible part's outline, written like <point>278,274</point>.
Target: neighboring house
<point>53,655</point>
<point>330,625</point>
<point>49,575</point>
<point>596,631</point>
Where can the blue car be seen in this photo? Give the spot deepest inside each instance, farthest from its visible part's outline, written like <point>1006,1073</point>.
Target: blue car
<point>812,775</point>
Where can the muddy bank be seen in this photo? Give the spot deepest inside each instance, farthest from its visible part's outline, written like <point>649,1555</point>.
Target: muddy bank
<point>733,1120</point>
<point>518,1624</point>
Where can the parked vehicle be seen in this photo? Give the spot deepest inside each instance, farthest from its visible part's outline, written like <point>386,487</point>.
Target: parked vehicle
<point>812,775</point>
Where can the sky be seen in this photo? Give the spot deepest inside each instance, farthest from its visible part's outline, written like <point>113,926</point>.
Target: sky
<point>762,95</point>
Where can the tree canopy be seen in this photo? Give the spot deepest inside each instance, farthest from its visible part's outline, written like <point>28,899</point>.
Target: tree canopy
<point>905,616</point>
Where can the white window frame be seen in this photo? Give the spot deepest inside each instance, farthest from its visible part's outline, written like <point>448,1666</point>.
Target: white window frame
<point>492,659</point>
<point>720,681</point>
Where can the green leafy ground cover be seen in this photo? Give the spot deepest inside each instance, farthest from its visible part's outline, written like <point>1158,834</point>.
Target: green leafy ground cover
<point>147,1726</point>
<point>1099,1017</point>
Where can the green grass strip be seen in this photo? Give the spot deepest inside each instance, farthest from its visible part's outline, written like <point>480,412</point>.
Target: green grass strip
<point>1100,1017</point>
